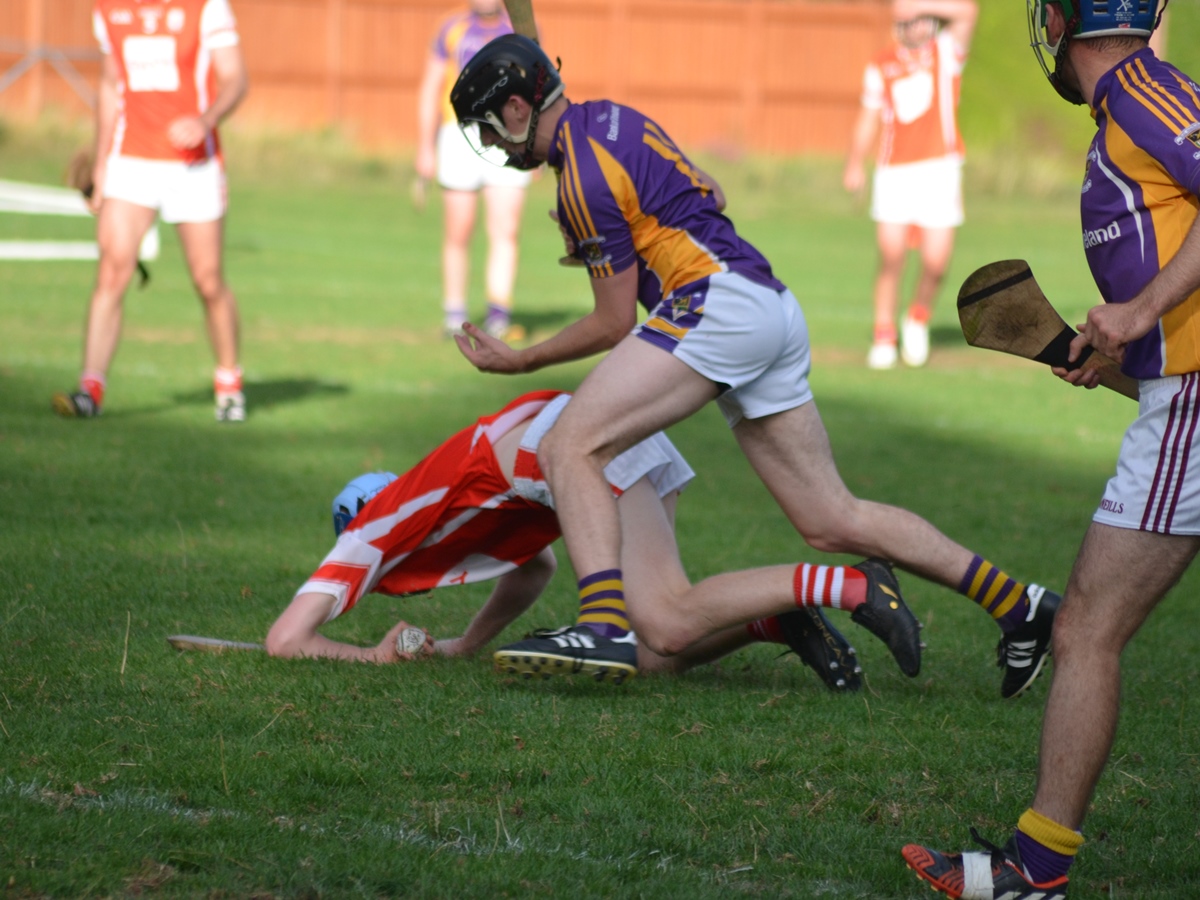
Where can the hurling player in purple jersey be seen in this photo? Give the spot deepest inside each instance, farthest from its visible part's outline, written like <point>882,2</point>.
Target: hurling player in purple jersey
<point>1141,190</point>
<point>650,228</point>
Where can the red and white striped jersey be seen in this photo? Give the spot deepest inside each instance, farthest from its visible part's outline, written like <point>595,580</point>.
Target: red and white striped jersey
<point>455,519</point>
<point>163,52</point>
<point>916,92</point>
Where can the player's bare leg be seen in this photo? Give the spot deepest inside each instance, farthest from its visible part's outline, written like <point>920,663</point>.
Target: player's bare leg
<point>892,240</point>
<point>120,228</point>
<point>936,246</point>
<point>634,392</point>
<point>458,221</point>
<point>503,208</point>
<point>791,453</point>
<point>202,249</point>
<point>1119,577</point>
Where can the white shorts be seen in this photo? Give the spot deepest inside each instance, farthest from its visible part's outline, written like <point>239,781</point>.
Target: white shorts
<point>927,194</point>
<point>1157,485</point>
<point>749,339</point>
<point>181,192</point>
<point>460,168</point>
<point>654,458</point>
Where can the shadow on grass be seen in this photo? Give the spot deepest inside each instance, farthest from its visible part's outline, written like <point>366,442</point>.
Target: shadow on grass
<point>265,394</point>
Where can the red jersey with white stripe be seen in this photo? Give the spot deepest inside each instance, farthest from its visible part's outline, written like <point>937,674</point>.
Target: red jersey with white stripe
<point>451,519</point>
<point>455,519</point>
<point>916,92</point>
<point>163,54</point>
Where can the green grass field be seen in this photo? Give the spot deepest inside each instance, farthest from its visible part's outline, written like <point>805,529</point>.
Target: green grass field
<point>127,769</point>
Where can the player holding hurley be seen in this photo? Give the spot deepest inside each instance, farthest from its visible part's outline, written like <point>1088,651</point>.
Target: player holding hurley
<point>649,226</point>
<point>1141,191</point>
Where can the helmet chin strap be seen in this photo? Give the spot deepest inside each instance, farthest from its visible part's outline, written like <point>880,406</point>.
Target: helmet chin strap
<point>525,160</point>
<point>1068,93</point>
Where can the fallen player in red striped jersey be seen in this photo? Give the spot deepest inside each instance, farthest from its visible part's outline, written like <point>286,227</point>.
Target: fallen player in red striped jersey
<point>477,508</point>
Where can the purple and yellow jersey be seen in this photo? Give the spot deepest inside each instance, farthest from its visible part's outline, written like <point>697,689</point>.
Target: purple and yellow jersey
<point>627,195</point>
<point>1140,198</point>
<point>459,38</point>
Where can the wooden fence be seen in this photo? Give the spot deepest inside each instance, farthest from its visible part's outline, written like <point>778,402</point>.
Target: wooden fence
<point>778,76</point>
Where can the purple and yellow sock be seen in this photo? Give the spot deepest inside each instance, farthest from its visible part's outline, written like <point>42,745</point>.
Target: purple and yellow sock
<point>602,604</point>
<point>1047,848</point>
<point>1003,598</point>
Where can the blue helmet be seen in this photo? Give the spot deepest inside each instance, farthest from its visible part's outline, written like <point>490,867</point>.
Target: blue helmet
<point>1088,19</point>
<point>355,495</point>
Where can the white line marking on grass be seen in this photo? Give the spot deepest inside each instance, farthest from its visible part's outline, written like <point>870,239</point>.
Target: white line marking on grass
<point>457,840</point>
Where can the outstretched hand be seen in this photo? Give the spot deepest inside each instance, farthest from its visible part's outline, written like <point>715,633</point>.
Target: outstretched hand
<point>387,651</point>
<point>486,353</point>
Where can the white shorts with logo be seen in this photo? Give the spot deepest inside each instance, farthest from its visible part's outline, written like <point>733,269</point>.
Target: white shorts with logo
<point>180,191</point>
<point>1157,485</point>
<point>747,337</point>
<point>927,193</point>
<point>460,168</point>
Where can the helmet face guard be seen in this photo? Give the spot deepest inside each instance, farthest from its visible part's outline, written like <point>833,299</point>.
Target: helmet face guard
<point>506,66</point>
<point>1087,19</point>
<point>355,495</point>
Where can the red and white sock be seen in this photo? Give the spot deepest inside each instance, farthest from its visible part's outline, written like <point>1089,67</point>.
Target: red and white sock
<point>227,381</point>
<point>93,384</point>
<point>838,587</point>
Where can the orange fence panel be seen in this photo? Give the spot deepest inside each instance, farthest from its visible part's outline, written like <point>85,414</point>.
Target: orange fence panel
<point>777,76</point>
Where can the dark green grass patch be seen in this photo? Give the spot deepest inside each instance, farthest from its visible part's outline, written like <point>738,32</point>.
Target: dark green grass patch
<point>128,769</point>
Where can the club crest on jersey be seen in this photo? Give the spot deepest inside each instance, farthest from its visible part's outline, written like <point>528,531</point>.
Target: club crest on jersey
<point>150,19</point>
<point>121,17</point>
<point>175,19</point>
<point>1191,133</point>
<point>680,306</point>
<point>593,252</point>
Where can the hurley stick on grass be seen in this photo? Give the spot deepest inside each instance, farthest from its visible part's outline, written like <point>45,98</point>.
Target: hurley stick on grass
<point>1001,307</point>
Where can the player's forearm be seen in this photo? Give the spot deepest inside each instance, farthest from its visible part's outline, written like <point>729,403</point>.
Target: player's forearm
<point>232,84</point>
<point>1178,280</point>
<point>107,108</point>
<point>594,333</point>
<point>866,126</point>
<point>513,594</point>
<point>429,101</point>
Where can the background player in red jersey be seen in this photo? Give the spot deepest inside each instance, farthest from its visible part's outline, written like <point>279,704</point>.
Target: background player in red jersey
<point>171,73</point>
<point>478,508</point>
<point>911,90</point>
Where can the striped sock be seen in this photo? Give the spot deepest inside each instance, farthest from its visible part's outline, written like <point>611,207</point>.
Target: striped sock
<point>93,384</point>
<point>1003,598</point>
<point>1047,848</point>
<point>602,604</point>
<point>766,631</point>
<point>841,587</point>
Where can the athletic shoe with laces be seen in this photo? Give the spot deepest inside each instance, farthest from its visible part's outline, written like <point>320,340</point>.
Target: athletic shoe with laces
<point>881,356</point>
<point>231,407</point>
<point>574,650</point>
<point>77,405</point>
<point>992,874</point>
<point>914,342</point>
<point>886,616</point>
<point>821,647</point>
<point>1022,653</point>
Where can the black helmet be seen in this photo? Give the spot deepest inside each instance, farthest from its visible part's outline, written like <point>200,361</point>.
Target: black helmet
<point>508,65</point>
